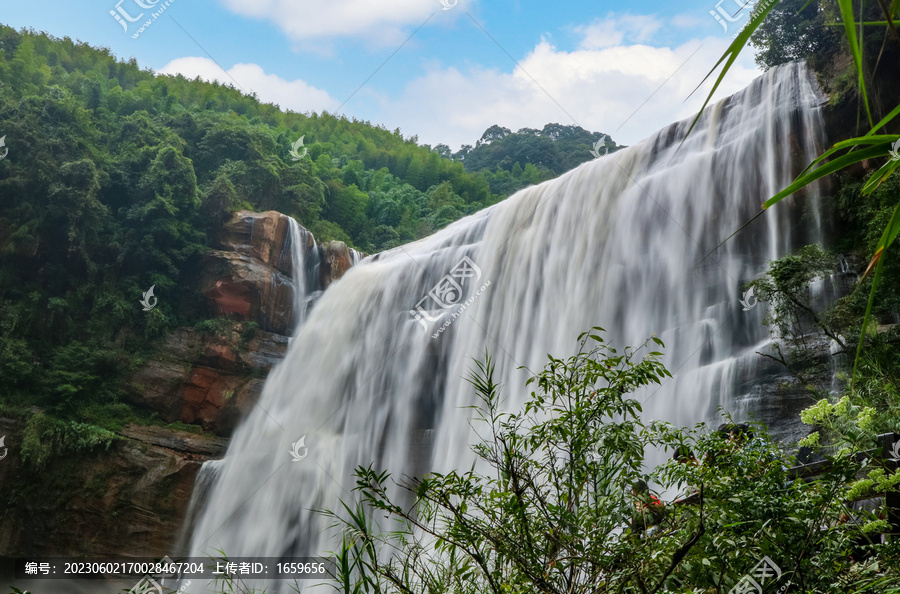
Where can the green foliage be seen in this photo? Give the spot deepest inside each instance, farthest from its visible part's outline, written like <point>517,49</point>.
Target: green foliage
<point>550,505</point>
<point>217,326</point>
<point>798,322</point>
<point>118,179</point>
<point>512,160</point>
<point>792,314</point>
<point>179,426</point>
<point>46,438</point>
<point>867,215</point>
<point>795,30</point>
<point>114,416</point>
<point>873,147</point>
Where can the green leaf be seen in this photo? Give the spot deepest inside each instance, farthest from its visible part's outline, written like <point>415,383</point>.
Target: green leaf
<point>875,280</point>
<point>887,238</point>
<point>841,162</point>
<point>731,54</point>
<point>851,143</point>
<point>879,176</point>
<point>894,113</point>
<point>846,7</point>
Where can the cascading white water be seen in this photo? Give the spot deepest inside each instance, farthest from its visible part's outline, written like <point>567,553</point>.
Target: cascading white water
<point>305,267</point>
<point>618,242</point>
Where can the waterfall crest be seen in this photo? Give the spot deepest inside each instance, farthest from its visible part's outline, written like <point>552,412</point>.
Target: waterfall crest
<point>376,374</point>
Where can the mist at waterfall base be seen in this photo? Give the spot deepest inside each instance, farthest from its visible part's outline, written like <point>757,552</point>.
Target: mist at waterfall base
<point>618,242</point>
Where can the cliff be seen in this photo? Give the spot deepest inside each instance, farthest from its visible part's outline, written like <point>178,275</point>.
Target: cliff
<point>131,498</point>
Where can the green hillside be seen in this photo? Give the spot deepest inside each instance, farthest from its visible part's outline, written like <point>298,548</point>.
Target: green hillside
<point>117,178</point>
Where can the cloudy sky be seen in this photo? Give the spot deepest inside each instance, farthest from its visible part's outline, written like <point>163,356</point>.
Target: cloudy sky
<point>444,70</point>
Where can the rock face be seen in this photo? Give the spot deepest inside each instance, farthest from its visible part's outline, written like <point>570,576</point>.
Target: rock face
<point>250,277</point>
<point>127,500</point>
<point>132,498</point>
<point>208,378</point>
<point>336,259</point>
<point>212,376</point>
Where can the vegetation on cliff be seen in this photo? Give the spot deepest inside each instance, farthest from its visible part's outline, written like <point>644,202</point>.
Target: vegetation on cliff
<point>117,179</point>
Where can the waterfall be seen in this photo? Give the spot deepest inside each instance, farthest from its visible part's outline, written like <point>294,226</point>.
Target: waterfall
<point>206,477</point>
<point>376,374</point>
<point>305,261</point>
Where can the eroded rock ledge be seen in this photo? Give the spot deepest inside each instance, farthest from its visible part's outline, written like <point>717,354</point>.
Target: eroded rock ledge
<point>127,500</point>
<point>212,377</point>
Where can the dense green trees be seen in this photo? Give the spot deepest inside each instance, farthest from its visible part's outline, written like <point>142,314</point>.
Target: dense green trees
<point>795,30</point>
<point>116,179</point>
<point>513,160</point>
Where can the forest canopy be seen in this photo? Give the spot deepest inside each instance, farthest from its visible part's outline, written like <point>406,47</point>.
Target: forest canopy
<point>117,178</point>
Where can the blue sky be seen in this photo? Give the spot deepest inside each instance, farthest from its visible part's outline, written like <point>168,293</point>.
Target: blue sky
<point>442,74</point>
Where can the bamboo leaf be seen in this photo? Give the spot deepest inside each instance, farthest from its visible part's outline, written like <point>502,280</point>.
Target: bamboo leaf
<point>728,58</point>
<point>862,23</point>
<point>862,334</point>
<point>879,176</point>
<point>846,7</point>
<point>887,238</point>
<point>851,143</point>
<point>894,113</point>
<point>841,162</point>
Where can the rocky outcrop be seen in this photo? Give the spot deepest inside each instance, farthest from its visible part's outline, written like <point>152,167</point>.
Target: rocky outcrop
<point>205,377</point>
<point>250,277</point>
<point>212,375</point>
<point>336,259</point>
<point>127,500</point>
<point>132,498</point>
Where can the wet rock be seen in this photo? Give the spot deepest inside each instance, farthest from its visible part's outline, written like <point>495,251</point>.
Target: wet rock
<point>127,500</point>
<point>250,276</point>
<point>210,379</point>
<point>337,259</point>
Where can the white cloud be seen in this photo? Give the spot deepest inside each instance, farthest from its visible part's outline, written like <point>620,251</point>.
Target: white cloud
<point>614,30</point>
<point>599,88</point>
<point>294,95</point>
<point>379,22</point>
